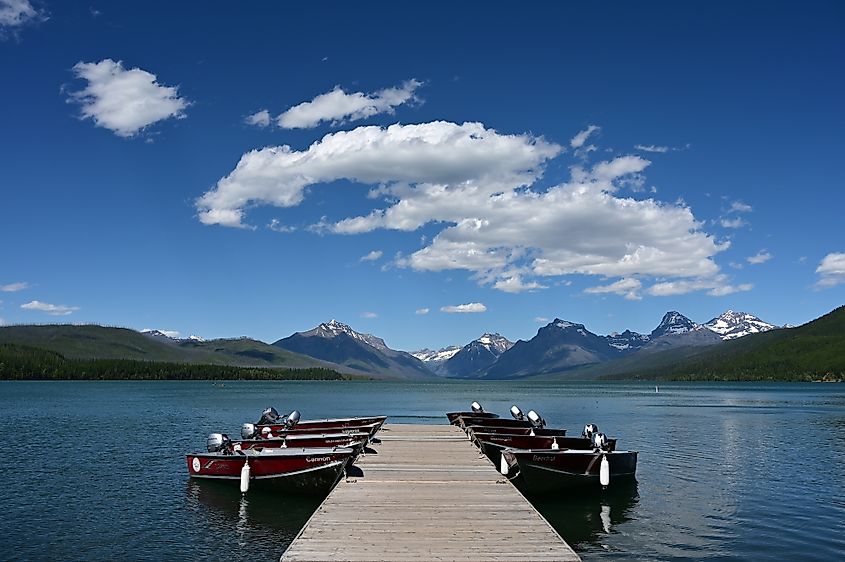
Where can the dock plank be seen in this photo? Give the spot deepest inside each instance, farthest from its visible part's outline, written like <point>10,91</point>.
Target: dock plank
<point>427,494</point>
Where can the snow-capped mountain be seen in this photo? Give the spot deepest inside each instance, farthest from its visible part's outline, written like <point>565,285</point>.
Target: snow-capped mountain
<point>674,323</point>
<point>475,356</point>
<point>337,343</point>
<point>731,325</point>
<point>627,341</point>
<point>433,358</point>
<point>333,328</point>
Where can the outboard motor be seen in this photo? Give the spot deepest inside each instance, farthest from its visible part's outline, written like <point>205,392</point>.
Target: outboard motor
<point>600,441</point>
<point>218,442</point>
<point>292,419</point>
<point>589,430</point>
<point>476,407</point>
<point>536,421</point>
<point>268,416</point>
<point>517,413</point>
<point>248,431</point>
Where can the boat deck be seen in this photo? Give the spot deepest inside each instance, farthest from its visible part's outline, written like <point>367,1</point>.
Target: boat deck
<point>427,494</point>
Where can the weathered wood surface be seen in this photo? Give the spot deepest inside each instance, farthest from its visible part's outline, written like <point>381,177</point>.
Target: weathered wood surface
<point>427,494</point>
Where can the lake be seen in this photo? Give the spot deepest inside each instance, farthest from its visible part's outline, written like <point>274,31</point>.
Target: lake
<point>726,471</point>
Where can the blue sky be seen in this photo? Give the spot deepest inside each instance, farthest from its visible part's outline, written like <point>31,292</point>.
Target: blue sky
<point>448,171</point>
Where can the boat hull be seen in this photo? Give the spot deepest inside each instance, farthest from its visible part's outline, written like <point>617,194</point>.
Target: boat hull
<point>492,444</point>
<point>550,470</point>
<point>313,470</point>
<point>453,416</point>
<point>468,421</point>
<point>545,432</point>
<point>355,441</point>
<point>278,430</point>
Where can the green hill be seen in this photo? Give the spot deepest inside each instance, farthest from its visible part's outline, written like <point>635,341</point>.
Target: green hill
<point>814,351</point>
<point>98,342</point>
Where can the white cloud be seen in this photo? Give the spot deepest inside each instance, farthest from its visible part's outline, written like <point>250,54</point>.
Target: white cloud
<point>369,315</point>
<point>421,311</point>
<point>435,154</point>
<point>478,188</point>
<point>14,287</point>
<point>831,270</point>
<point>651,148</point>
<point>259,118</point>
<point>372,256</point>
<point>716,286</point>
<point>736,222</point>
<point>579,139</point>
<point>627,287</point>
<point>541,319</point>
<point>464,308</point>
<point>277,226</point>
<point>515,284</point>
<point>52,309</point>
<point>760,257</point>
<point>740,207</point>
<point>14,14</point>
<point>124,101</point>
<point>338,106</point>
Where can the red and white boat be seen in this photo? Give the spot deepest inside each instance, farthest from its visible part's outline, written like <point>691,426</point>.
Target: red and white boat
<point>251,438</point>
<point>304,470</point>
<point>476,411</point>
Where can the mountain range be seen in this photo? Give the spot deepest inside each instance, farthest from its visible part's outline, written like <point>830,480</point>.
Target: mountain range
<point>561,349</point>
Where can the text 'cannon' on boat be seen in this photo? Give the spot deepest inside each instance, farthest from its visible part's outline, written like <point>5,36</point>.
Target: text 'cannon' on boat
<point>300,470</point>
<point>540,470</point>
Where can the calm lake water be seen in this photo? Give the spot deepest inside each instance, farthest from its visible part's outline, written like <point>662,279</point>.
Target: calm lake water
<point>726,471</point>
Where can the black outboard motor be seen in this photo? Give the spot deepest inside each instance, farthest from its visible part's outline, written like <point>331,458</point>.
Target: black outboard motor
<point>600,441</point>
<point>536,421</point>
<point>219,443</point>
<point>248,431</point>
<point>517,413</point>
<point>589,430</point>
<point>476,407</point>
<point>292,419</point>
<point>269,416</point>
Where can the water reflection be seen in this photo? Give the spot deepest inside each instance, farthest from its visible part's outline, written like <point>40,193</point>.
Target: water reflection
<point>253,526</point>
<point>584,517</point>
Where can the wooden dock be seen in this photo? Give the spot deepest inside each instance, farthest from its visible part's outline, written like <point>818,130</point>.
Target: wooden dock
<point>427,495</point>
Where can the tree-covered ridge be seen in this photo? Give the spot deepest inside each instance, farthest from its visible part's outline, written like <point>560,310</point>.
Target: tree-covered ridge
<point>812,352</point>
<point>19,362</point>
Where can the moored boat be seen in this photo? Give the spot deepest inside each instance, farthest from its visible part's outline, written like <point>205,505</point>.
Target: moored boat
<point>477,411</point>
<point>536,431</point>
<point>355,441</point>
<point>492,444</point>
<point>540,470</point>
<point>304,470</point>
<point>271,419</point>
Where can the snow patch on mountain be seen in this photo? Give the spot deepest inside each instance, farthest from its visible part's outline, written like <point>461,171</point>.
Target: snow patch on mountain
<point>731,325</point>
<point>439,356</point>
<point>333,328</point>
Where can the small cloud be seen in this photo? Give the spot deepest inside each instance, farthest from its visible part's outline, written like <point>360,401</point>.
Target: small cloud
<point>515,284</point>
<point>324,59</point>
<point>736,265</point>
<point>14,287</point>
<point>51,309</point>
<point>736,222</point>
<point>740,207</point>
<point>651,148</point>
<point>15,14</point>
<point>760,257</point>
<point>372,256</point>
<point>338,106</point>
<point>831,271</point>
<point>541,320</point>
<point>277,226</point>
<point>258,119</point>
<point>628,288</point>
<point>368,314</point>
<point>124,101</point>
<point>464,308</point>
<point>579,139</point>
<point>421,311</point>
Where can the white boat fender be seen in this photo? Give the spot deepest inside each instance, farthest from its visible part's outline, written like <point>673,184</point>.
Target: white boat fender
<point>503,466</point>
<point>604,471</point>
<point>555,446</point>
<point>245,477</point>
<point>284,443</point>
<point>532,434</point>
